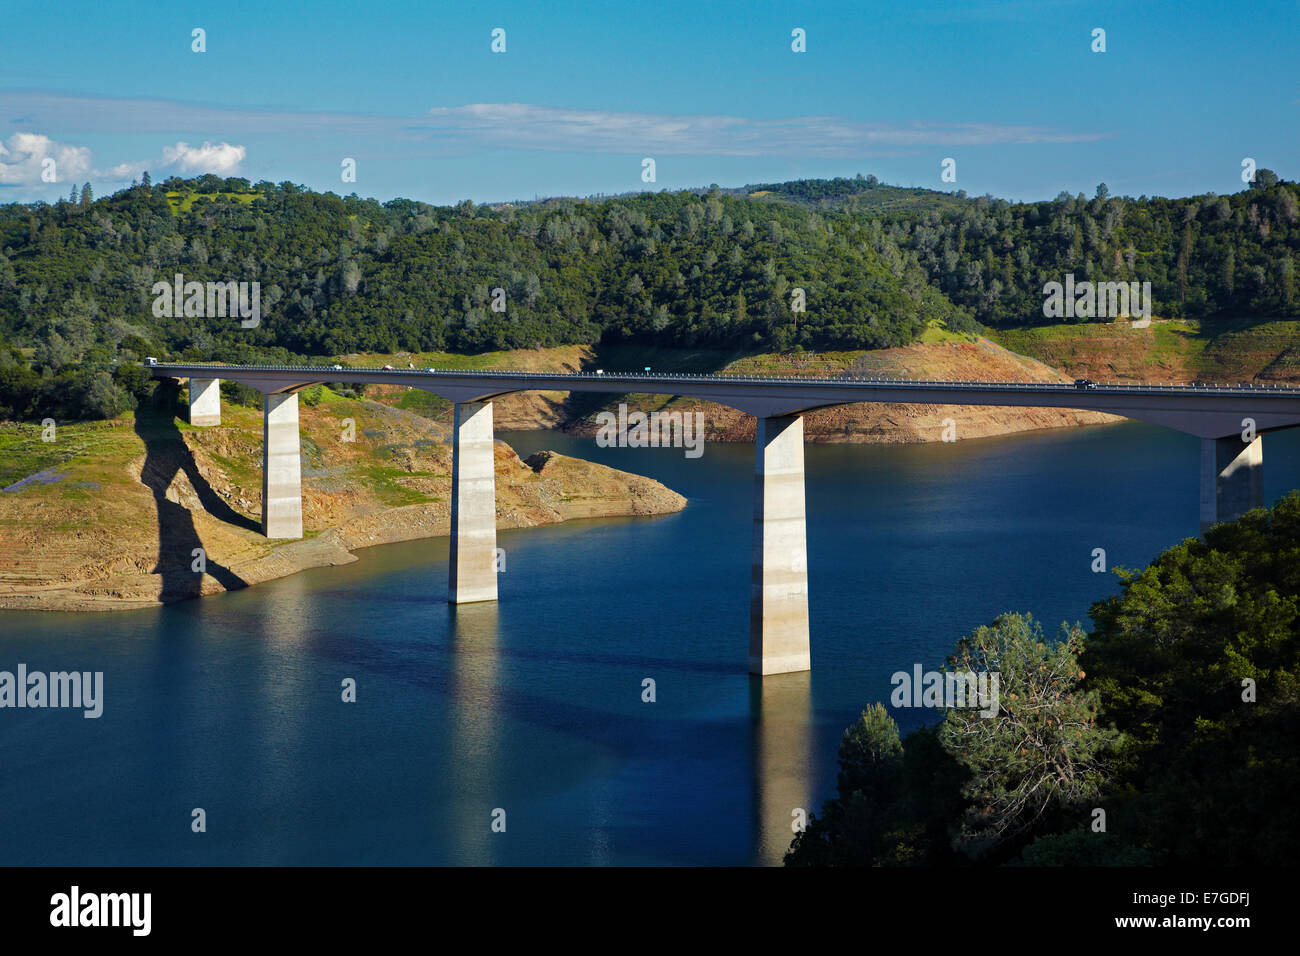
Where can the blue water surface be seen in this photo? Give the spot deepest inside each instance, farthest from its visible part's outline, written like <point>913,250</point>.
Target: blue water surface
<point>533,705</point>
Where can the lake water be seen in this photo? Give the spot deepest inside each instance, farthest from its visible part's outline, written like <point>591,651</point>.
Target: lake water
<point>533,705</point>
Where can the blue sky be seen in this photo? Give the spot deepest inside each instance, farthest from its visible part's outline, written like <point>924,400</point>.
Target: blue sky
<point>710,90</point>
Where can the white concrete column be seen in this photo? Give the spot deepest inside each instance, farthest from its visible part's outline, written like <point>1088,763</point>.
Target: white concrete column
<point>473,505</point>
<point>205,401</point>
<point>281,468</point>
<point>1232,478</point>
<point>778,594</point>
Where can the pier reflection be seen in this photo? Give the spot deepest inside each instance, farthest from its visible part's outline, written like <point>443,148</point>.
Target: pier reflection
<point>781,709</point>
<point>476,724</point>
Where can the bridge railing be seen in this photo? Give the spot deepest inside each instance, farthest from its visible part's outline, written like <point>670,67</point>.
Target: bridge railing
<point>324,373</point>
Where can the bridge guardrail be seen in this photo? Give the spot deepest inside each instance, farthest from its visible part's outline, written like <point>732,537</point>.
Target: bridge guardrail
<point>326,374</point>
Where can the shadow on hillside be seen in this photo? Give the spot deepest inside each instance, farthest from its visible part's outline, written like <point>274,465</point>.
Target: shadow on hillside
<point>166,456</point>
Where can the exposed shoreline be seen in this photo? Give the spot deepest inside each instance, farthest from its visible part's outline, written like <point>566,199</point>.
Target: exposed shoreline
<point>130,542</point>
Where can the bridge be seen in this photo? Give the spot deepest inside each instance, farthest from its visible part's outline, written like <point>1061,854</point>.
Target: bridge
<point>1229,420</point>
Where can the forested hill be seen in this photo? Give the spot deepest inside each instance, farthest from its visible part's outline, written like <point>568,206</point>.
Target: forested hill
<point>861,194</point>
<point>691,268</point>
<point>347,274</point>
<point>1204,256</point>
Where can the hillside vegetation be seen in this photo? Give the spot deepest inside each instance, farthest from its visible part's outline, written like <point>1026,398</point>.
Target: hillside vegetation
<point>342,274</point>
<point>1213,350</point>
<point>773,268</point>
<point>1204,255</point>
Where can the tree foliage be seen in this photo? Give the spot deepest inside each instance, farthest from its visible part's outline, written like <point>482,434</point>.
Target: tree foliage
<point>1208,776</point>
<point>1043,750</point>
<point>1177,716</point>
<point>975,787</point>
<point>1204,255</point>
<point>343,274</point>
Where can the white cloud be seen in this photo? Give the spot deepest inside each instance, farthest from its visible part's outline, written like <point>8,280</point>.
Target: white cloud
<point>524,126</point>
<point>219,158</point>
<point>23,155</point>
<point>529,126</point>
<point>116,115</point>
<point>123,171</point>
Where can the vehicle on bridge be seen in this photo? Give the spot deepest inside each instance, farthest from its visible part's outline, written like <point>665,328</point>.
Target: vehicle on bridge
<point>1084,383</point>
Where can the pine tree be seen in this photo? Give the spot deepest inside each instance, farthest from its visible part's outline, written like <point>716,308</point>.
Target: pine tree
<point>87,196</point>
<point>145,181</point>
<point>72,196</point>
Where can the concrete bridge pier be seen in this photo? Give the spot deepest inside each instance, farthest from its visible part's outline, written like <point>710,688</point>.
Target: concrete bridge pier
<point>1232,478</point>
<point>205,401</point>
<point>281,468</point>
<point>473,575</point>
<point>778,593</point>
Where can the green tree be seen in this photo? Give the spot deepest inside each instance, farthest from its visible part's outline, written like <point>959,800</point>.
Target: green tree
<point>1197,660</point>
<point>135,381</point>
<point>1042,751</point>
<point>101,398</point>
<point>851,829</point>
<point>1264,179</point>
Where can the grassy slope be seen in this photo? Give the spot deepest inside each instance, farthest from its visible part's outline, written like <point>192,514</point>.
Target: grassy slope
<point>23,451</point>
<point>1223,350</point>
<point>184,202</point>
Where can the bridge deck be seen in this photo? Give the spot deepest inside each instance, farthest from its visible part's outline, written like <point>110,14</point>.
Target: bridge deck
<point>1207,411</point>
<point>657,381</point>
